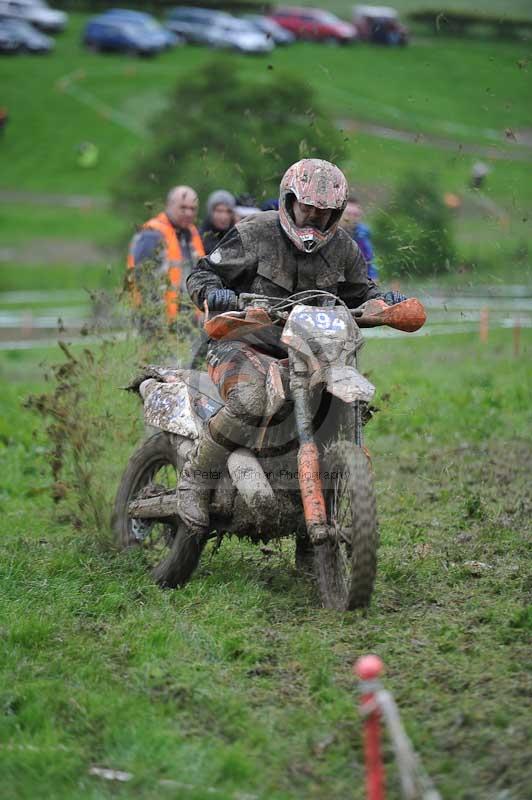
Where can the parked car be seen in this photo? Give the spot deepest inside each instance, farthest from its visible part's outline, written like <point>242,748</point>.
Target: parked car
<point>194,24</point>
<point>29,39</point>
<point>35,12</point>
<point>315,24</point>
<point>9,43</point>
<point>141,18</point>
<point>106,33</point>
<point>217,29</point>
<point>270,28</point>
<point>240,35</point>
<point>379,24</point>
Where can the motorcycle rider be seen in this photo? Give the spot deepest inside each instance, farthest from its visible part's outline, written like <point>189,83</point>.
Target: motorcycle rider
<point>273,253</point>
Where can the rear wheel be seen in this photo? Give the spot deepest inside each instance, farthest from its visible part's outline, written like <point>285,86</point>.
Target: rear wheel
<point>347,565</point>
<point>170,550</point>
<point>152,469</point>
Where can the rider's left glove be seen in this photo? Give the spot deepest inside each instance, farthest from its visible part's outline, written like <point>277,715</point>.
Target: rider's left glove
<point>220,300</point>
<point>392,298</point>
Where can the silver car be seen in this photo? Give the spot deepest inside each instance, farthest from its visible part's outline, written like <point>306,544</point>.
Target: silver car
<point>240,35</point>
<point>217,29</point>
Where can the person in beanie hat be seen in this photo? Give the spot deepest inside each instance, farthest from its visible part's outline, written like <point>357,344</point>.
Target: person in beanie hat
<point>220,218</point>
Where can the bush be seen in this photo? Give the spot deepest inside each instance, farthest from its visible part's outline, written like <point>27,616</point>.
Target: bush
<point>413,232</point>
<point>219,131</point>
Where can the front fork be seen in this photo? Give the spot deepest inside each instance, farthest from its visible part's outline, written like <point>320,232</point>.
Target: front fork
<point>308,459</point>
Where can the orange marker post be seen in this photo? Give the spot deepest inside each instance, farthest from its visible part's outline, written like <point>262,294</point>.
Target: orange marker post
<point>484,324</point>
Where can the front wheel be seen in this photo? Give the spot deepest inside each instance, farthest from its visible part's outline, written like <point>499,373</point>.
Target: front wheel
<point>346,565</point>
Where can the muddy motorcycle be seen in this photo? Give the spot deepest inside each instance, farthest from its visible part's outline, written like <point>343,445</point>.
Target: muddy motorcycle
<point>308,475</point>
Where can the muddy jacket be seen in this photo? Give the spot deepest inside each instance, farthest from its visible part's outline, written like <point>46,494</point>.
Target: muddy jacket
<point>256,256</point>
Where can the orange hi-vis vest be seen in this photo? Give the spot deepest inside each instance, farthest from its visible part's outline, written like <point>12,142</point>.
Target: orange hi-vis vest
<point>173,262</point>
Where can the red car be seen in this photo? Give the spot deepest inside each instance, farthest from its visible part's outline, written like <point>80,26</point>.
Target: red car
<point>315,24</point>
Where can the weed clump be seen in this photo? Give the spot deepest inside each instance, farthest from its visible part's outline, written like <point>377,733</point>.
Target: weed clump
<point>90,425</point>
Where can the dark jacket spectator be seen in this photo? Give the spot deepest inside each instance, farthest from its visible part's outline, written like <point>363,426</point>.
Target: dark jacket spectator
<point>220,218</point>
<point>361,234</point>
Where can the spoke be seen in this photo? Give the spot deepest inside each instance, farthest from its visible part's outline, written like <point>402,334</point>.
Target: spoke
<point>340,510</point>
<point>154,536</point>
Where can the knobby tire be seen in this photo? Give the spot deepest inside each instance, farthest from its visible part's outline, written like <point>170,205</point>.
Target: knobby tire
<point>346,568</point>
<point>185,549</point>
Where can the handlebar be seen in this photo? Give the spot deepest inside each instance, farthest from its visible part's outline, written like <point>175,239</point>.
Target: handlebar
<point>409,315</point>
<point>246,300</point>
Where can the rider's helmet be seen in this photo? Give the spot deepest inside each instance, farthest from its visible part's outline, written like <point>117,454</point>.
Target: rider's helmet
<point>316,183</point>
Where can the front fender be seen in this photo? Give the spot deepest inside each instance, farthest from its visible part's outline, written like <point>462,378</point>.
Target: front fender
<point>345,382</point>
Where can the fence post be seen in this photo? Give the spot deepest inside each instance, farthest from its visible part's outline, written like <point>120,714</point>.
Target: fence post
<point>484,324</point>
<point>368,669</point>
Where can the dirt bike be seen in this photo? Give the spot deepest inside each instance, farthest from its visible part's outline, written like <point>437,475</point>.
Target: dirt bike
<point>307,476</point>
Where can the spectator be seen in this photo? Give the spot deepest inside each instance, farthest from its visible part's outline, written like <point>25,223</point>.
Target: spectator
<point>272,204</point>
<point>241,212</point>
<point>220,217</point>
<point>479,173</point>
<point>245,205</point>
<point>162,254</point>
<point>246,199</point>
<point>360,233</point>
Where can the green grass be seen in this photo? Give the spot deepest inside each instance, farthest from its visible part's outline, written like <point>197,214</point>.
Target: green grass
<point>474,84</point>
<point>379,163</point>
<point>240,682</point>
<point>35,277</point>
<point>99,225</point>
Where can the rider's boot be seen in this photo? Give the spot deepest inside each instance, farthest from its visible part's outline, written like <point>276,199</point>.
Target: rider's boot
<point>203,468</point>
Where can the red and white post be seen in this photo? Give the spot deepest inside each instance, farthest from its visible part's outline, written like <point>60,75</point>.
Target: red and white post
<point>368,669</point>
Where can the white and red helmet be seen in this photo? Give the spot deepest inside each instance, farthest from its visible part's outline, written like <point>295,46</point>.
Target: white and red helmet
<point>316,183</point>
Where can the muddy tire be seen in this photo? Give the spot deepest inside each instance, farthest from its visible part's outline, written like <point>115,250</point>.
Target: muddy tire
<point>177,568</point>
<point>346,568</point>
<point>155,462</point>
<point>171,551</point>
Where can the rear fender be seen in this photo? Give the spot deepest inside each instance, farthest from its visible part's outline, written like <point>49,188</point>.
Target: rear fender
<point>168,406</point>
<point>345,382</point>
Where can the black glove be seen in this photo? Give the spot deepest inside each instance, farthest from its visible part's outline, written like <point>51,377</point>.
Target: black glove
<point>392,298</point>
<point>220,300</point>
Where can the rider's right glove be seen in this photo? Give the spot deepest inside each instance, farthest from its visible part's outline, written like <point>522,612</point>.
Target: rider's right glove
<point>394,297</point>
<point>220,300</point>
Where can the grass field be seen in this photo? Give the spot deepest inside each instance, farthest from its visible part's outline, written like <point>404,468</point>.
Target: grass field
<point>239,684</point>
<point>421,88</point>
